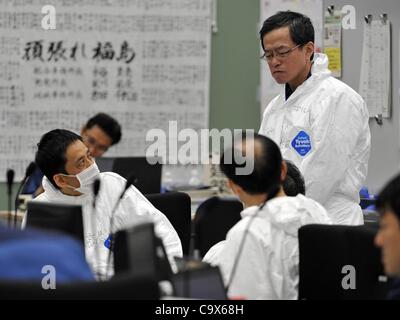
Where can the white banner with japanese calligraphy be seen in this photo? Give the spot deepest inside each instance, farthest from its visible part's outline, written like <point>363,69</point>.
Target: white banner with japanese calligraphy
<point>145,62</point>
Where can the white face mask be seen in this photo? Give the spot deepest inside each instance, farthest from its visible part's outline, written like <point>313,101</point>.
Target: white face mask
<point>86,179</point>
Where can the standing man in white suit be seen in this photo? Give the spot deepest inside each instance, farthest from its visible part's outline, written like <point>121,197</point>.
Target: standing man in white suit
<point>319,123</point>
<point>260,257</point>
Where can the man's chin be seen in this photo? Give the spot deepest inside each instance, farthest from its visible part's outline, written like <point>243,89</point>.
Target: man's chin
<point>279,80</point>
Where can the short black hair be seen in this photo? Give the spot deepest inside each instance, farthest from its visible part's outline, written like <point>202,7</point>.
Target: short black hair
<point>300,27</point>
<point>294,181</point>
<point>389,197</point>
<point>108,124</point>
<point>266,175</point>
<point>51,154</point>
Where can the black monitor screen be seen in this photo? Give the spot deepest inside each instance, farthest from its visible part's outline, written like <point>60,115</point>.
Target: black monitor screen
<point>56,217</point>
<point>148,175</point>
<point>105,164</point>
<point>140,252</point>
<point>203,283</point>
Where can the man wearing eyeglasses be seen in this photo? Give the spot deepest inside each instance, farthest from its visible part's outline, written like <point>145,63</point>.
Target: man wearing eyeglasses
<point>320,123</point>
<point>99,134</point>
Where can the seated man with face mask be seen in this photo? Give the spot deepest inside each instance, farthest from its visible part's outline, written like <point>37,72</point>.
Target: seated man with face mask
<point>70,172</point>
<point>260,257</point>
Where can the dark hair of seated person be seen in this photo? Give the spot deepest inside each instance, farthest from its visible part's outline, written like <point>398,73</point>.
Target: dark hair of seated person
<point>294,181</point>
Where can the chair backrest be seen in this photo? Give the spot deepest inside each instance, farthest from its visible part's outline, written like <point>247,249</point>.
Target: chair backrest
<point>148,175</point>
<point>124,287</point>
<point>213,219</point>
<point>329,257</point>
<point>177,208</point>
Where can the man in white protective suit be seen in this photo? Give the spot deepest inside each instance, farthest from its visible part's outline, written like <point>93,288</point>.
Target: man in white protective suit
<point>69,173</point>
<point>260,257</point>
<point>319,123</point>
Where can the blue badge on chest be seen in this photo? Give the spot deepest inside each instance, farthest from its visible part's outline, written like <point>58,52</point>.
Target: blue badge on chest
<point>302,143</point>
<point>108,242</point>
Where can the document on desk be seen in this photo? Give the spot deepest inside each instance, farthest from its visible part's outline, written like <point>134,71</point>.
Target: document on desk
<point>375,77</point>
<point>313,9</point>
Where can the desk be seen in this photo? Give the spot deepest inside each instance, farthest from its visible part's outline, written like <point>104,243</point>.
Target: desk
<point>4,217</point>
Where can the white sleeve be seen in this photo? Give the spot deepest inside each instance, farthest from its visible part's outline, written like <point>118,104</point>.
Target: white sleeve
<point>135,207</point>
<point>256,276</point>
<point>214,253</point>
<point>263,126</point>
<point>336,131</point>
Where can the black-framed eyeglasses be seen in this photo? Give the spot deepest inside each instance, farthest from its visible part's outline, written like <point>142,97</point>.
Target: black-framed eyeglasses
<point>279,53</point>
<point>92,142</point>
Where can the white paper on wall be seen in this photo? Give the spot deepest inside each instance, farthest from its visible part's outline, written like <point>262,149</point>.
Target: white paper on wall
<point>143,62</point>
<point>375,76</point>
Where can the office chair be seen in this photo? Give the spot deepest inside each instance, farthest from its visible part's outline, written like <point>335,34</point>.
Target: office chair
<point>123,287</point>
<point>324,251</point>
<point>177,208</point>
<point>213,219</point>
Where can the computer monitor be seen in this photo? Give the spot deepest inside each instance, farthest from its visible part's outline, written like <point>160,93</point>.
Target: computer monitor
<point>140,252</point>
<point>105,164</point>
<point>56,217</point>
<point>200,283</point>
<point>148,175</point>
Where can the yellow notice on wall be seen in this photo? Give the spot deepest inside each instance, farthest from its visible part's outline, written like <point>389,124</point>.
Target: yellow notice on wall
<point>333,41</point>
<point>335,61</point>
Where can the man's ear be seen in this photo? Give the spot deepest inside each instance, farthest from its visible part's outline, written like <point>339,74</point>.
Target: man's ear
<point>283,170</point>
<point>237,190</point>
<point>60,180</point>
<point>309,49</point>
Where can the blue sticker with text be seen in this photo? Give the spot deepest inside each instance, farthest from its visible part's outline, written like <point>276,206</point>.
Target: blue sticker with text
<point>302,143</point>
<point>108,241</point>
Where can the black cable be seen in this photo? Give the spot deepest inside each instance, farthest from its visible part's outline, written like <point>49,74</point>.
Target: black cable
<point>132,180</point>
<point>10,180</point>
<point>29,170</point>
<point>95,189</point>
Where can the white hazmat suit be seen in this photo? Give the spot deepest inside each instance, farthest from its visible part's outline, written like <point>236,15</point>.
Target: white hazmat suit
<point>268,265</point>
<point>133,208</point>
<point>323,128</point>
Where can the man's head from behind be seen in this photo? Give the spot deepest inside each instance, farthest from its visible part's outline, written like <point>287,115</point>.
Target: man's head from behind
<point>287,39</point>
<point>100,133</point>
<point>264,181</point>
<point>294,183</point>
<point>388,237</point>
<point>61,156</point>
